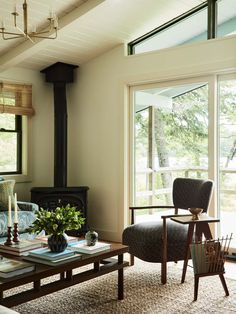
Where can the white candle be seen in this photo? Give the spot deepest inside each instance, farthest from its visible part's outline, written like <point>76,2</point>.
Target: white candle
<point>55,21</point>
<point>16,213</point>
<point>9,211</point>
<point>51,14</point>
<point>34,29</point>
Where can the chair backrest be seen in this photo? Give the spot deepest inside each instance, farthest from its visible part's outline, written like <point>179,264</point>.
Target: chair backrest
<point>189,192</point>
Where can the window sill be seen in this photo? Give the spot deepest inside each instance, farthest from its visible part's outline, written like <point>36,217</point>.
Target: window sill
<point>19,178</point>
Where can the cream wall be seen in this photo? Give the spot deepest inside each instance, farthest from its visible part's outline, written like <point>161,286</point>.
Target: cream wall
<point>98,150</point>
<point>40,139</point>
<point>98,121</point>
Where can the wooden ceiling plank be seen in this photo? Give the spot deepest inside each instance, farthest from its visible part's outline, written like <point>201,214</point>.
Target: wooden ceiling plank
<point>26,49</point>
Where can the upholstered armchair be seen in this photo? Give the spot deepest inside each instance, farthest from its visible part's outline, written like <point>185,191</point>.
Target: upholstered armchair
<point>26,212</point>
<point>165,240</point>
<point>26,215</point>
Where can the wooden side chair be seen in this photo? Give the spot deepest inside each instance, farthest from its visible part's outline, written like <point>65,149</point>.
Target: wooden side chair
<point>164,241</point>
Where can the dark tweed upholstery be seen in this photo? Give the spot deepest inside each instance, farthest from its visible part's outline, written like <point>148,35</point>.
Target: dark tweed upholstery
<point>145,239</point>
<point>192,193</point>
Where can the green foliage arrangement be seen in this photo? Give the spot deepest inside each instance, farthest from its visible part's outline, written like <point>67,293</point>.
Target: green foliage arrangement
<point>58,221</point>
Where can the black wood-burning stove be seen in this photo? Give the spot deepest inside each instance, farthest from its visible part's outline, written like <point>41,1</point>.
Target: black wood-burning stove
<point>50,197</point>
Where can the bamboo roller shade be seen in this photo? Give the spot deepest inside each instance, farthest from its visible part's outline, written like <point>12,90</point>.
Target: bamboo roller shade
<point>16,99</point>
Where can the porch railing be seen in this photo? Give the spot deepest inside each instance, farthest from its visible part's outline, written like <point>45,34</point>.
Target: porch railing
<point>198,172</point>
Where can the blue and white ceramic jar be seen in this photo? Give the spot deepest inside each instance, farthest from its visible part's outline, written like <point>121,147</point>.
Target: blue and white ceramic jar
<point>91,238</point>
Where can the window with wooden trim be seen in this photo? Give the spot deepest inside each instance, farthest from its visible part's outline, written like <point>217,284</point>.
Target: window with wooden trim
<point>210,19</point>
<point>15,101</point>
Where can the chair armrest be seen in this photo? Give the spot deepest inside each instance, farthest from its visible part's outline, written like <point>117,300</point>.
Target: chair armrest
<point>132,208</point>
<point>146,207</point>
<point>170,216</point>
<point>27,206</point>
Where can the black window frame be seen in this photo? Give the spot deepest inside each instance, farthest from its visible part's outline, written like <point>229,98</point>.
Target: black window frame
<point>211,6</point>
<point>18,131</point>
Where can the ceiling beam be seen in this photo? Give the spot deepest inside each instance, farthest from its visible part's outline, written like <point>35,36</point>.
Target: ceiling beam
<point>27,48</point>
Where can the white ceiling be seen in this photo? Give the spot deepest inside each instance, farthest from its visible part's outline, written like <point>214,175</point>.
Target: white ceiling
<point>87,28</point>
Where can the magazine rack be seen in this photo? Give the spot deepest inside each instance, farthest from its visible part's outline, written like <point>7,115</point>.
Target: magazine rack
<point>208,260</point>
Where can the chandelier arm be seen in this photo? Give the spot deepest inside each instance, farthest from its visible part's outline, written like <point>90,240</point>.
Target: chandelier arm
<point>10,33</point>
<point>25,34</point>
<point>39,33</point>
<point>22,32</point>
<point>13,37</point>
<point>8,38</point>
<point>45,37</point>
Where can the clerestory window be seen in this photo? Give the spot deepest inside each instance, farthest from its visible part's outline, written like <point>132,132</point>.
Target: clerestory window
<point>211,19</point>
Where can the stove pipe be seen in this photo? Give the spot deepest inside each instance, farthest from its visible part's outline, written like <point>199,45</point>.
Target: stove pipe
<point>59,74</point>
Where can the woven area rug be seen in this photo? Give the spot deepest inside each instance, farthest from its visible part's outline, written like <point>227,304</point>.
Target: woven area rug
<point>143,294</point>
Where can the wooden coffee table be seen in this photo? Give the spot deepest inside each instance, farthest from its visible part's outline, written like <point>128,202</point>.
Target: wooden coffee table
<point>103,263</point>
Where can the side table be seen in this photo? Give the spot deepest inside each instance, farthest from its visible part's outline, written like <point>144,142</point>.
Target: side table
<point>201,228</point>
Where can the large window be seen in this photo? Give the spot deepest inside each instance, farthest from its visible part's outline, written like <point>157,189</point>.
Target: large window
<point>211,19</point>
<point>227,153</point>
<point>10,143</point>
<point>226,18</point>
<point>191,28</point>
<point>170,140</point>
<point>185,128</point>
<point>15,101</point>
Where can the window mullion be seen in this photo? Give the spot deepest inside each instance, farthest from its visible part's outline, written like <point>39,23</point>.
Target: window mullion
<point>19,143</point>
<point>212,19</point>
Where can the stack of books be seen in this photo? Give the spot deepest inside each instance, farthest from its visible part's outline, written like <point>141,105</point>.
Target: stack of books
<point>10,267</point>
<point>20,248</point>
<point>47,257</point>
<point>82,247</point>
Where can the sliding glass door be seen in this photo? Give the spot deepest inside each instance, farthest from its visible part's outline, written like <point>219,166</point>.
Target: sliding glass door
<point>170,140</point>
<point>227,154</point>
<point>185,128</point>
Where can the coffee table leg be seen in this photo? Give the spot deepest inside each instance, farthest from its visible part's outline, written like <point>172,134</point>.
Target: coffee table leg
<point>120,279</point>
<point>68,274</point>
<point>37,285</point>
<point>96,266</point>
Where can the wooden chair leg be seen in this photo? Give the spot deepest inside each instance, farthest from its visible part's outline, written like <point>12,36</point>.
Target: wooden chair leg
<point>131,262</point>
<point>196,282</point>
<point>187,250</point>
<point>222,278</point>
<point>164,257</point>
<point>163,272</point>
<point>205,229</point>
